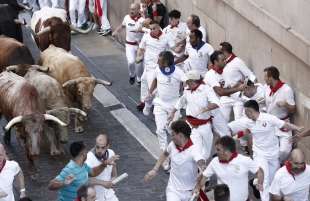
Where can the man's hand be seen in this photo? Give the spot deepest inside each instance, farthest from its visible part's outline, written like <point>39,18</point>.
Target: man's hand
<point>111,161</point>
<point>150,175</point>
<point>170,118</point>
<point>107,184</point>
<point>139,59</point>
<point>114,34</point>
<point>69,179</point>
<point>281,103</point>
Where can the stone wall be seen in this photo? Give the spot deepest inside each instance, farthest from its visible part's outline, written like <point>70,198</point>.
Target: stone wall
<point>263,33</point>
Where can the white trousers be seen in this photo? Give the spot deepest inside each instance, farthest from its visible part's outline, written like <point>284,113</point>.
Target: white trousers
<point>202,136</point>
<point>44,3</point>
<point>219,123</point>
<point>58,4</point>
<point>269,166</point>
<point>236,106</point>
<point>285,144</point>
<point>79,6</point>
<point>146,81</point>
<point>161,115</point>
<point>105,24</point>
<point>135,70</point>
<point>177,195</point>
<point>107,195</point>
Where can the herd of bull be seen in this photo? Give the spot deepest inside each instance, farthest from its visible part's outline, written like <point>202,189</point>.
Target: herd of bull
<point>38,99</point>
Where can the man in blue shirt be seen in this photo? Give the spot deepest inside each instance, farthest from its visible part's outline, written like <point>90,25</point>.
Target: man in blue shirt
<point>76,172</point>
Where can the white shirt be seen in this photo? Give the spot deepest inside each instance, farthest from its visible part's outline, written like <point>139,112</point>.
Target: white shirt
<point>131,28</point>
<point>153,47</point>
<point>214,79</point>
<point>198,59</point>
<point>296,188</point>
<point>236,71</point>
<point>184,168</point>
<point>203,31</point>
<point>285,93</point>
<point>103,194</point>
<point>196,101</point>
<point>265,142</point>
<point>234,174</point>
<point>168,87</point>
<point>7,175</point>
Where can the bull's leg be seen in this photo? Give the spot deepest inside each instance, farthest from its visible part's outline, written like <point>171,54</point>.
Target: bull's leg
<point>51,136</point>
<point>78,121</point>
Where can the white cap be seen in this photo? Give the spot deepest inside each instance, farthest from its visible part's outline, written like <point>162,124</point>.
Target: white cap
<point>193,75</point>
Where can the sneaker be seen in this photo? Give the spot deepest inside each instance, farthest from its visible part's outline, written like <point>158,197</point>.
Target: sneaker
<point>140,106</point>
<point>105,32</point>
<point>131,80</point>
<point>146,111</point>
<point>138,83</point>
<point>84,26</point>
<point>166,165</point>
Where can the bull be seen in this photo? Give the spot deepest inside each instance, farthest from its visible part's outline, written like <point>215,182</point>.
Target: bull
<point>50,26</point>
<point>74,77</point>
<point>13,52</point>
<point>21,105</point>
<point>54,102</point>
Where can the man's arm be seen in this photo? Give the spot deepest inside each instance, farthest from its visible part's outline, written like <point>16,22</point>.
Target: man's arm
<point>140,54</point>
<point>290,108</point>
<point>181,59</point>
<point>21,183</point>
<point>118,29</point>
<point>56,184</point>
<point>260,179</point>
<point>228,91</point>
<point>153,86</point>
<point>99,182</point>
<point>293,127</point>
<point>3,194</point>
<point>152,173</point>
<point>95,171</point>
<point>276,197</point>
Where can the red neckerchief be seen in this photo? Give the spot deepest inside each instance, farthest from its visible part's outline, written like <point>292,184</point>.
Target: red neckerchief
<point>98,8</point>
<point>288,166</point>
<point>135,18</point>
<point>230,58</point>
<point>174,26</point>
<point>276,87</point>
<point>187,145</point>
<point>196,87</point>
<point>217,69</point>
<point>156,36</point>
<point>3,164</point>
<point>233,155</point>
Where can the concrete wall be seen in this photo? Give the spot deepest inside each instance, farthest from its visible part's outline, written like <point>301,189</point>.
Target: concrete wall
<point>263,33</point>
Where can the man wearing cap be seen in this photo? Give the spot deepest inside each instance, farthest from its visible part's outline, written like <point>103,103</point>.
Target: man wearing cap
<point>292,181</point>
<point>186,161</point>
<point>198,100</point>
<point>262,127</point>
<point>168,80</point>
<point>132,22</point>
<point>280,102</point>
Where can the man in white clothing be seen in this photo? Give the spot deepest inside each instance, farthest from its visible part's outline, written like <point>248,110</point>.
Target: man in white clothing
<point>262,127</point>
<point>198,100</point>
<point>95,157</point>
<point>186,160</point>
<point>235,71</point>
<point>79,20</point>
<point>280,102</point>
<point>168,80</point>
<point>9,170</point>
<point>292,181</point>
<point>231,169</point>
<point>151,45</point>
<point>132,22</point>
<point>193,23</point>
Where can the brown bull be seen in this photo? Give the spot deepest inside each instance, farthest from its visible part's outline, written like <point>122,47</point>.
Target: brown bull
<point>72,73</point>
<point>20,103</point>
<point>13,52</point>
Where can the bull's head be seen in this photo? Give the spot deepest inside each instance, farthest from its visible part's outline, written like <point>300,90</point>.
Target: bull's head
<point>84,88</point>
<point>33,128</point>
<point>64,115</point>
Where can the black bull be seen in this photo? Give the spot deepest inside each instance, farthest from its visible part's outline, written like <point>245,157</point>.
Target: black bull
<point>9,10</point>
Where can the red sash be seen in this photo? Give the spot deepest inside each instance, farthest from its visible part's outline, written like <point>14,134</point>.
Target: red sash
<point>131,43</point>
<point>276,87</point>
<point>198,122</point>
<point>187,145</point>
<point>233,155</point>
<point>230,58</point>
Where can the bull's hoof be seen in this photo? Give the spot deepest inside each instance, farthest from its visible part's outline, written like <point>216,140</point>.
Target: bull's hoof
<point>78,129</point>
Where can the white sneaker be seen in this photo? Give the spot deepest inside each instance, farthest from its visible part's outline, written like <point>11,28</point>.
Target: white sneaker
<point>146,110</point>
<point>166,164</point>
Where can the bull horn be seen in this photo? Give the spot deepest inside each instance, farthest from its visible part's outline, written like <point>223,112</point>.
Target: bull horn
<point>77,111</point>
<point>104,82</point>
<point>44,30</point>
<point>56,109</point>
<point>13,121</point>
<point>55,119</point>
<point>18,21</point>
<point>69,82</point>
<point>81,30</point>
<point>11,68</point>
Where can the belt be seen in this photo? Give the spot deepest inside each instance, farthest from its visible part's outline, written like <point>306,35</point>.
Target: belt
<point>131,43</point>
<point>198,122</point>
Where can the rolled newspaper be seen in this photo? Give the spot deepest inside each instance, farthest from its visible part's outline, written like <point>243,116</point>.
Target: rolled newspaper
<point>194,197</point>
<point>119,178</point>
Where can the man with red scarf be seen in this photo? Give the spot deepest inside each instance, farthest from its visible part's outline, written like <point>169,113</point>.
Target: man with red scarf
<point>262,127</point>
<point>9,170</point>
<point>186,160</point>
<point>132,22</point>
<point>280,102</point>
<point>292,181</point>
<point>198,100</point>
<point>156,11</point>
<point>231,169</point>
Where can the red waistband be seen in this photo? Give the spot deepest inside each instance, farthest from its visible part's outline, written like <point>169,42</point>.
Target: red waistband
<point>198,122</point>
<point>131,43</point>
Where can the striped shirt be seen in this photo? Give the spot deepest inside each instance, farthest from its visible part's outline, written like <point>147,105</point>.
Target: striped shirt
<point>69,193</point>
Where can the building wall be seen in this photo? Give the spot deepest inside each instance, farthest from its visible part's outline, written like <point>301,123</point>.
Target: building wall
<point>263,33</point>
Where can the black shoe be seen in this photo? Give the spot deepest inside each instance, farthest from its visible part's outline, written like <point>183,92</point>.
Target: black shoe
<point>131,80</point>
<point>84,26</point>
<point>140,107</point>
